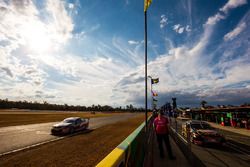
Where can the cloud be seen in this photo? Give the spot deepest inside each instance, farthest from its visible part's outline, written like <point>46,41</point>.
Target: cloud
<point>84,33</point>
<point>188,28</point>
<point>176,27</point>
<point>97,78</point>
<point>187,8</point>
<point>8,71</point>
<point>235,32</point>
<point>179,29</point>
<point>27,74</point>
<point>231,4</point>
<point>214,19</point>
<point>61,24</point>
<point>163,21</point>
<point>71,5</point>
<point>23,34</point>
<point>21,87</point>
<point>113,71</point>
<point>185,99</point>
<point>185,76</point>
<point>188,72</point>
<point>178,71</point>
<point>80,35</point>
<point>87,79</point>
<point>22,18</point>
<point>95,27</point>
<point>135,56</point>
<point>232,49</point>
<point>131,42</point>
<point>209,27</point>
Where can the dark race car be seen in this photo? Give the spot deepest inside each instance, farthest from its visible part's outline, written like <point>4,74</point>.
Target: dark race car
<point>202,133</point>
<point>70,125</point>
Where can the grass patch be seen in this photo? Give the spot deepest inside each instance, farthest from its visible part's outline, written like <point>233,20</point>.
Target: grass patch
<point>12,118</point>
<point>81,150</point>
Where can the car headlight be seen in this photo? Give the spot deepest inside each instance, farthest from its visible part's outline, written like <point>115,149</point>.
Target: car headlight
<point>195,134</point>
<point>219,135</point>
<point>60,127</point>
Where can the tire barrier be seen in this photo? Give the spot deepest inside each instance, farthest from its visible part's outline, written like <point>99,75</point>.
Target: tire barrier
<point>130,152</point>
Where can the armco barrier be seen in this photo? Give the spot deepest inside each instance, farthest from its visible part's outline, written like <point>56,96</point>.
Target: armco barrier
<point>129,153</point>
<point>185,148</point>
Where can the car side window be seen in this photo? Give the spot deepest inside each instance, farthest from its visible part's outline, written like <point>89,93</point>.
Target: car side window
<point>78,121</point>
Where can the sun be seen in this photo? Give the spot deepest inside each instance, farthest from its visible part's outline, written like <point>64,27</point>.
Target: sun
<point>37,37</point>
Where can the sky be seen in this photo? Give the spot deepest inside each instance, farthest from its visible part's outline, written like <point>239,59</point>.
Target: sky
<point>84,52</point>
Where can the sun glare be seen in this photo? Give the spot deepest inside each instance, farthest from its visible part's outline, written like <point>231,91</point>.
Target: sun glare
<point>37,38</point>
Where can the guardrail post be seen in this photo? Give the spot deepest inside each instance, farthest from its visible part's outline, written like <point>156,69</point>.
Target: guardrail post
<point>188,137</point>
<point>176,125</point>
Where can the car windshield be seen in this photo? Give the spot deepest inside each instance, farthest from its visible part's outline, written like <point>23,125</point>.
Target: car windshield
<point>201,126</point>
<point>69,121</point>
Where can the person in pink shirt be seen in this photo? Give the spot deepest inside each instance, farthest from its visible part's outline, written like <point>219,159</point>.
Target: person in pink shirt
<point>161,126</point>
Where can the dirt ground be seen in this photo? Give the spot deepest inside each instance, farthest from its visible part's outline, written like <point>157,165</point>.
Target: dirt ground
<point>24,117</point>
<point>84,150</point>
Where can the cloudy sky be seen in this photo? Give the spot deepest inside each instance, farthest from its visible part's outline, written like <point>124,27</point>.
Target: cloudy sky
<point>85,52</point>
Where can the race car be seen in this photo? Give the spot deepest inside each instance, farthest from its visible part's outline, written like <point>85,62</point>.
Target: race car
<point>70,125</point>
<point>202,133</point>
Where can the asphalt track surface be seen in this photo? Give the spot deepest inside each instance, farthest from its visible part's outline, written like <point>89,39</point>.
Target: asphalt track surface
<point>232,154</point>
<point>14,138</point>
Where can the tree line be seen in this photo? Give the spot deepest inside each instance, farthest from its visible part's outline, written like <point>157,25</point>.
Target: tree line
<point>7,104</point>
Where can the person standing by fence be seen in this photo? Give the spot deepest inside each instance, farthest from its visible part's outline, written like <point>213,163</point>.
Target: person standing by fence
<point>161,127</point>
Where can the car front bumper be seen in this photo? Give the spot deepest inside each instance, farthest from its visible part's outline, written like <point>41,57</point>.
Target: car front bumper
<point>59,131</point>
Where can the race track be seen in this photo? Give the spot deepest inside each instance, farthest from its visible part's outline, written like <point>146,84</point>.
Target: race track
<point>18,137</point>
<point>231,154</point>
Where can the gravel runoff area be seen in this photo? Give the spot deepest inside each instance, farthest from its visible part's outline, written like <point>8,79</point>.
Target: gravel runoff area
<point>86,149</point>
<point>24,117</point>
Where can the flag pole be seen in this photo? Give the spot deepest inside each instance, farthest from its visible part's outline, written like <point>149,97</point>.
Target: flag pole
<point>146,75</point>
<point>151,91</point>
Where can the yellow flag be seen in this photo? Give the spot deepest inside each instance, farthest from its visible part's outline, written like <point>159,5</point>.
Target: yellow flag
<point>146,4</point>
<point>154,81</point>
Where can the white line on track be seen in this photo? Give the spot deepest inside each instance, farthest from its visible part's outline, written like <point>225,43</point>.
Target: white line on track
<point>31,146</point>
<point>42,143</point>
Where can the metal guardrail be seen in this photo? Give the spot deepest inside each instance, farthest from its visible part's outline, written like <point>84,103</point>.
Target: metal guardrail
<point>184,143</point>
<point>137,149</point>
<point>149,151</point>
<point>130,152</point>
